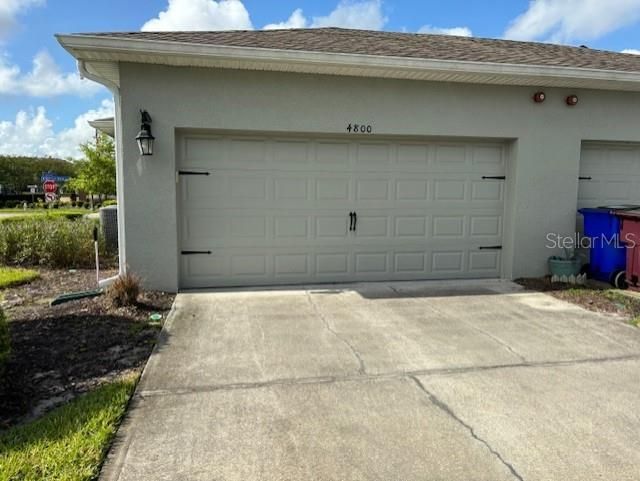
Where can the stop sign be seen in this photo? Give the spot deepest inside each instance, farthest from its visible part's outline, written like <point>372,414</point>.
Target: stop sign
<point>50,186</point>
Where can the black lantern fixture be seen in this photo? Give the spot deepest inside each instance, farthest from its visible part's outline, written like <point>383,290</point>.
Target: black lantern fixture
<point>144,137</point>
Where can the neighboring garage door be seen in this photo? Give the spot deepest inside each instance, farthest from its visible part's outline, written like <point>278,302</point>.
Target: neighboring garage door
<point>257,210</point>
<point>609,175</point>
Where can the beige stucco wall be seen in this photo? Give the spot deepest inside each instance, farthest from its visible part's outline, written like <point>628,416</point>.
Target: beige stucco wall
<point>544,141</point>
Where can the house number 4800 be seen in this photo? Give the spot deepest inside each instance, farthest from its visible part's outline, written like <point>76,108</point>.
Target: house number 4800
<point>359,128</point>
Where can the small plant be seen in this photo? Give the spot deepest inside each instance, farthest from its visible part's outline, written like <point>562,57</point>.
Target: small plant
<point>124,291</point>
<point>5,348</point>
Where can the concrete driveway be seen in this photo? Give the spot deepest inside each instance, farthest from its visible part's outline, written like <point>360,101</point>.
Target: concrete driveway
<point>402,381</point>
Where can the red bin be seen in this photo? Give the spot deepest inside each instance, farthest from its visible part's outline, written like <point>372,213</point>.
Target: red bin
<point>630,237</point>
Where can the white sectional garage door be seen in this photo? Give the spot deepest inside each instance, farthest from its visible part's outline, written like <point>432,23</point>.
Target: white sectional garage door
<point>269,210</point>
<point>609,174</point>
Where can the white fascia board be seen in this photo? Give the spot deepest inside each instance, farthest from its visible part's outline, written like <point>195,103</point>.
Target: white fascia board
<point>147,51</point>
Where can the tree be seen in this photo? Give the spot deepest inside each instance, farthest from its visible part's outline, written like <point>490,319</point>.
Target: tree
<point>17,172</point>
<point>96,173</point>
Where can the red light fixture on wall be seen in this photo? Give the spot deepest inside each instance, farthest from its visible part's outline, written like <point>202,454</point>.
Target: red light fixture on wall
<point>572,100</point>
<point>539,97</point>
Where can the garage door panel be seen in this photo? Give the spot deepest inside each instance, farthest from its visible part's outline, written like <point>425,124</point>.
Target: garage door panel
<point>287,153</point>
<point>333,264</point>
<point>487,190</point>
<point>373,189</point>
<point>373,155</point>
<point>448,226</point>
<point>293,265</point>
<point>333,189</point>
<point>332,226</point>
<point>410,226</point>
<point>202,190</point>
<point>412,189</point>
<point>413,156</point>
<point>484,261</point>
<point>447,262</point>
<point>276,210</point>
<point>486,226</point>
<point>332,155</point>
<point>450,190</point>
<point>609,174</point>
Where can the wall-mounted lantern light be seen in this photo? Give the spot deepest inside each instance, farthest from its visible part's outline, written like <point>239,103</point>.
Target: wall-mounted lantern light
<point>572,100</point>
<point>144,137</point>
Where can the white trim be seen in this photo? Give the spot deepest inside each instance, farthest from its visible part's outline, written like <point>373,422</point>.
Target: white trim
<point>106,126</point>
<point>117,123</point>
<point>97,48</point>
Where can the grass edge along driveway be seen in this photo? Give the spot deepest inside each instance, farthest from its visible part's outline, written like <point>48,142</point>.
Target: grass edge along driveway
<point>70,442</point>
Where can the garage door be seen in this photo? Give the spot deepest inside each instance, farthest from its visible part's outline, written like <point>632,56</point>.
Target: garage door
<point>267,210</point>
<point>609,175</point>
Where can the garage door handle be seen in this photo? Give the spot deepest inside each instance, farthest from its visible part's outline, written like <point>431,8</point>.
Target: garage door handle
<point>355,221</point>
<point>497,248</point>
<point>193,253</point>
<point>494,177</point>
<point>585,178</point>
<point>351,221</point>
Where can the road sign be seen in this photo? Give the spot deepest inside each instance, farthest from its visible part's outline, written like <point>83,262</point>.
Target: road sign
<point>50,197</point>
<point>53,176</point>
<point>33,188</point>
<point>50,186</point>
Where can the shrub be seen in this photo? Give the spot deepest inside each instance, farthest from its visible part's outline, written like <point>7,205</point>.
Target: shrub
<point>124,291</point>
<point>109,202</point>
<point>5,347</point>
<point>52,241</point>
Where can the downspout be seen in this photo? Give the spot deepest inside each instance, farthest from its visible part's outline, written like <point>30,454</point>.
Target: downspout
<point>115,90</point>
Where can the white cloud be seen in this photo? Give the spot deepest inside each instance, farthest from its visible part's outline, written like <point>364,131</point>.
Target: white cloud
<point>32,133</point>
<point>296,20</point>
<point>632,51</point>
<point>10,9</point>
<point>569,20</point>
<point>233,15</point>
<point>364,14</point>
<point>201,15</point>
<point>44,80</point>
<point>455,31</point>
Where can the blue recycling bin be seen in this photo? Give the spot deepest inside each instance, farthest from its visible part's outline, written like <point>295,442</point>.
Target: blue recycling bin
<point>607,254</point>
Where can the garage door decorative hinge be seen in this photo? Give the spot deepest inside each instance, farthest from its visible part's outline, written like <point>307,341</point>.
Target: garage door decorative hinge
<point>192,253</point>
<point>495,177</point>
<point>497,248</point>
<point>192,172</point>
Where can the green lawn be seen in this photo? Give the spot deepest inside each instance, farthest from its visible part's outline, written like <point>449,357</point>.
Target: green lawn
<point>15,276</point>
<point>70,442</point>
<point>44,211</point>
<point>15,215</point>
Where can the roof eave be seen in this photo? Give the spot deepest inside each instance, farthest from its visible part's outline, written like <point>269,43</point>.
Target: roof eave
<point>97,49</point>
<point>106,126</point>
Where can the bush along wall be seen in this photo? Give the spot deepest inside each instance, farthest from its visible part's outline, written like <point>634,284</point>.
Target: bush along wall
<point>51,242</point>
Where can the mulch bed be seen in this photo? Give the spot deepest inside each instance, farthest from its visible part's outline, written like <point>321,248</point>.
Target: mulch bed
<point>594,296</point>
<point>60,352</point>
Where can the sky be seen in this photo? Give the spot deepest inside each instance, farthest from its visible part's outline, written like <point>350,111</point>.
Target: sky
<point>45,105</point>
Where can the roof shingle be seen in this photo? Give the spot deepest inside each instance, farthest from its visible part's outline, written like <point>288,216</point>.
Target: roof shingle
<point>410,45</point>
